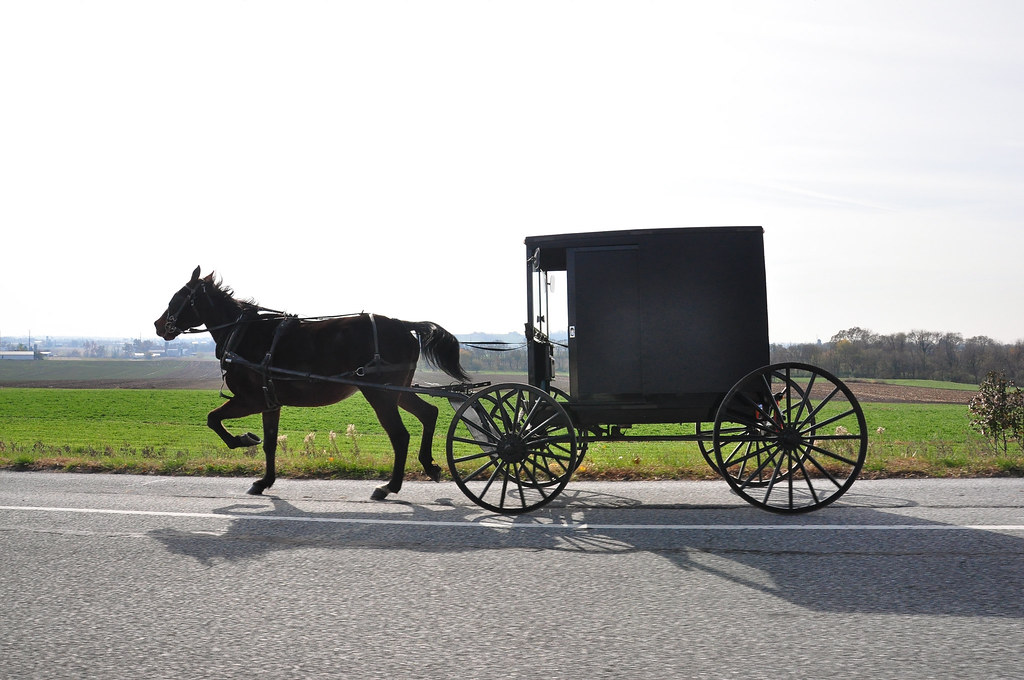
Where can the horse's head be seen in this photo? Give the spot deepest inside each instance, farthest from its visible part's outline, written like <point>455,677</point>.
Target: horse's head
<point>181,313</point>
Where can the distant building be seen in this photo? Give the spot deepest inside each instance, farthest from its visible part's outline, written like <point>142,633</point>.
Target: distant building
<point>26,354</point>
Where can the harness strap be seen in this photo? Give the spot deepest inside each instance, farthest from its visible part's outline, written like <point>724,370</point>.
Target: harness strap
<point>268,382</point>
<point>374,365</point>
<point>377,364</point>
<point>225,353</point>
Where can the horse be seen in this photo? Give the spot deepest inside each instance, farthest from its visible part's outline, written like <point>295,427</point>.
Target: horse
<point>270,359</point>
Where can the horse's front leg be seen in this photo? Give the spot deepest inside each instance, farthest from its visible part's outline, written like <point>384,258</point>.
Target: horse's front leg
<point>271,419</point>
<point>230,410</point>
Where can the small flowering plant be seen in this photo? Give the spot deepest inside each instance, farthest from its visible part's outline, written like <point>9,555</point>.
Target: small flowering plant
<point>997,411</point>
<point>351,434</point>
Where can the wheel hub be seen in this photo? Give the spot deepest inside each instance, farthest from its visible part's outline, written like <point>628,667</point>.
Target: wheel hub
<point>512,449</point>
<point>790,439</point>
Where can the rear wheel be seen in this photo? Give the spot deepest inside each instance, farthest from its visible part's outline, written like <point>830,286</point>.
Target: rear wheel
<point>511,448</point>
<point>790,438</point>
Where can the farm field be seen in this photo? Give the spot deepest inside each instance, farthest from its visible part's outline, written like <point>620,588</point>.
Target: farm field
<point>915,430</point>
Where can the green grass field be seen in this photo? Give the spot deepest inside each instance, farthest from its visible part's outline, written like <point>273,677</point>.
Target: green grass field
<point>164,432</point>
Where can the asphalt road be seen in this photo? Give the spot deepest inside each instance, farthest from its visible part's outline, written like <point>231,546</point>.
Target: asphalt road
<point>112,576</point>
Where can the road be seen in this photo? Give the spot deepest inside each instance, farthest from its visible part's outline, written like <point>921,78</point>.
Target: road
<point>112,576</point>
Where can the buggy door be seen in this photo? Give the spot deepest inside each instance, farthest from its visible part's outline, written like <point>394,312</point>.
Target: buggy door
<point>604,323</point>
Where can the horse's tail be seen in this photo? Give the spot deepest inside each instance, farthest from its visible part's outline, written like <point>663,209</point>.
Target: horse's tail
<point>440,348</point>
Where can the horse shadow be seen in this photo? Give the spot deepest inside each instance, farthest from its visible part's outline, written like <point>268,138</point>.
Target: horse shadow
<point>961,572</point>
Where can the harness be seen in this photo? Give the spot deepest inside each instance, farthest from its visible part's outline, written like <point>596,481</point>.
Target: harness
<point>265,368</point>
<point>269,372</point>
<point>190,301</point>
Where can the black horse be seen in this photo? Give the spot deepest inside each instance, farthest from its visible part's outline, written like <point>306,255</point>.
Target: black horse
<point>271,360</point>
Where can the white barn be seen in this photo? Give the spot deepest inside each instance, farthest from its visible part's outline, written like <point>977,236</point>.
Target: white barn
<point>17,354</point>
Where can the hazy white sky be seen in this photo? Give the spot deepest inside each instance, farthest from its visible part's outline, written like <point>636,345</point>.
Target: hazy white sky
<point>334,157</point>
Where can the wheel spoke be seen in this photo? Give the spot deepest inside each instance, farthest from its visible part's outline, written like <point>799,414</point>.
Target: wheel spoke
<point>831,454</point>
<point>825,473</point>
<point>484,431</point>
<point>749,481</point>
<point>771,484</point>
<point>465,440</point>
<point>821,404</point>
<point>807,478</point>
<point>533,478</point>
<point>834,419</point>
<point>540,463</point>
<point>739,429</point>
<point>504,491</point>
<point>773,405</point>
<point>766,448</point>
<point>805,399</point>
<point>541,432</point>
<point>472,456</point>
<point>476,473</point>
<point>759,410</point>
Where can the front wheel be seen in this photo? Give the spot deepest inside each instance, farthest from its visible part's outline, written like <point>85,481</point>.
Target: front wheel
<point>790,438</point>
<point>511,448</point>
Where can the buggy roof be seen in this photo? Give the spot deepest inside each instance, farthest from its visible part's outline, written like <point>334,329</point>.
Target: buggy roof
<point>553,247</point>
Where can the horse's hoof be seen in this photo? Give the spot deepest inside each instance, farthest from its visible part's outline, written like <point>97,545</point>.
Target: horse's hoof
<point>249,439</point>
<point>434,473</point>
<point>255,489</point>
<point>379,494</point>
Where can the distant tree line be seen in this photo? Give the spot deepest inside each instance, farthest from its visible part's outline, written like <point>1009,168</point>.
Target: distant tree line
<point>917,355</point>
<point>854,352</point>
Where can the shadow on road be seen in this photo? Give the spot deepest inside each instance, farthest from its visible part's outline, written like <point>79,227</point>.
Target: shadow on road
<point>895,564</point>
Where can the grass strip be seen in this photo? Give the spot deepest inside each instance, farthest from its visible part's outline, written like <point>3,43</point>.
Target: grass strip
<point>164,432</point>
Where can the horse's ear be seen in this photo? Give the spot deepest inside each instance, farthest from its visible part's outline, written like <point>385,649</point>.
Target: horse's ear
<point>195,275</point>
<point>209,277</point>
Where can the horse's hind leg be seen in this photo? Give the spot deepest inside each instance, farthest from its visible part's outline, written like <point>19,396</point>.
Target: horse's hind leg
<point>385,405</point>
<point>426,413</point>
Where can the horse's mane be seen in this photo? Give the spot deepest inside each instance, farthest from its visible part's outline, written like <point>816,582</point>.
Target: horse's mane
<point>225,291</point>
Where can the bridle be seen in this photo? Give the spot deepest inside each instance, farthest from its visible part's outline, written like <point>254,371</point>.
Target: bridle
<point>189,301</point>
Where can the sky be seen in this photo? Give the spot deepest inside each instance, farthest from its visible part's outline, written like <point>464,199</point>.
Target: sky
<point>337,157</point>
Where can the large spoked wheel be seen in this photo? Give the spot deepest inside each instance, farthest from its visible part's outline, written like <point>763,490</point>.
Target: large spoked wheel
<point>790,438</point>
<point>511,448</point>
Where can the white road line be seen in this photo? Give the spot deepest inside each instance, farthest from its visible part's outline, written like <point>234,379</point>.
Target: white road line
<point>496,523</point>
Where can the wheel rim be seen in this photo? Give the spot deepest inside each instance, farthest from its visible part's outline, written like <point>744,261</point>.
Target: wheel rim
<point>790,438</point>
<point>706,443</point>
<point>511,448</point>
<point>581,434</point>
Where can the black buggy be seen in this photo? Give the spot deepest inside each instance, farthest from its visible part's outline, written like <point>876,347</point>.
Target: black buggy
<point>665,326</point>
